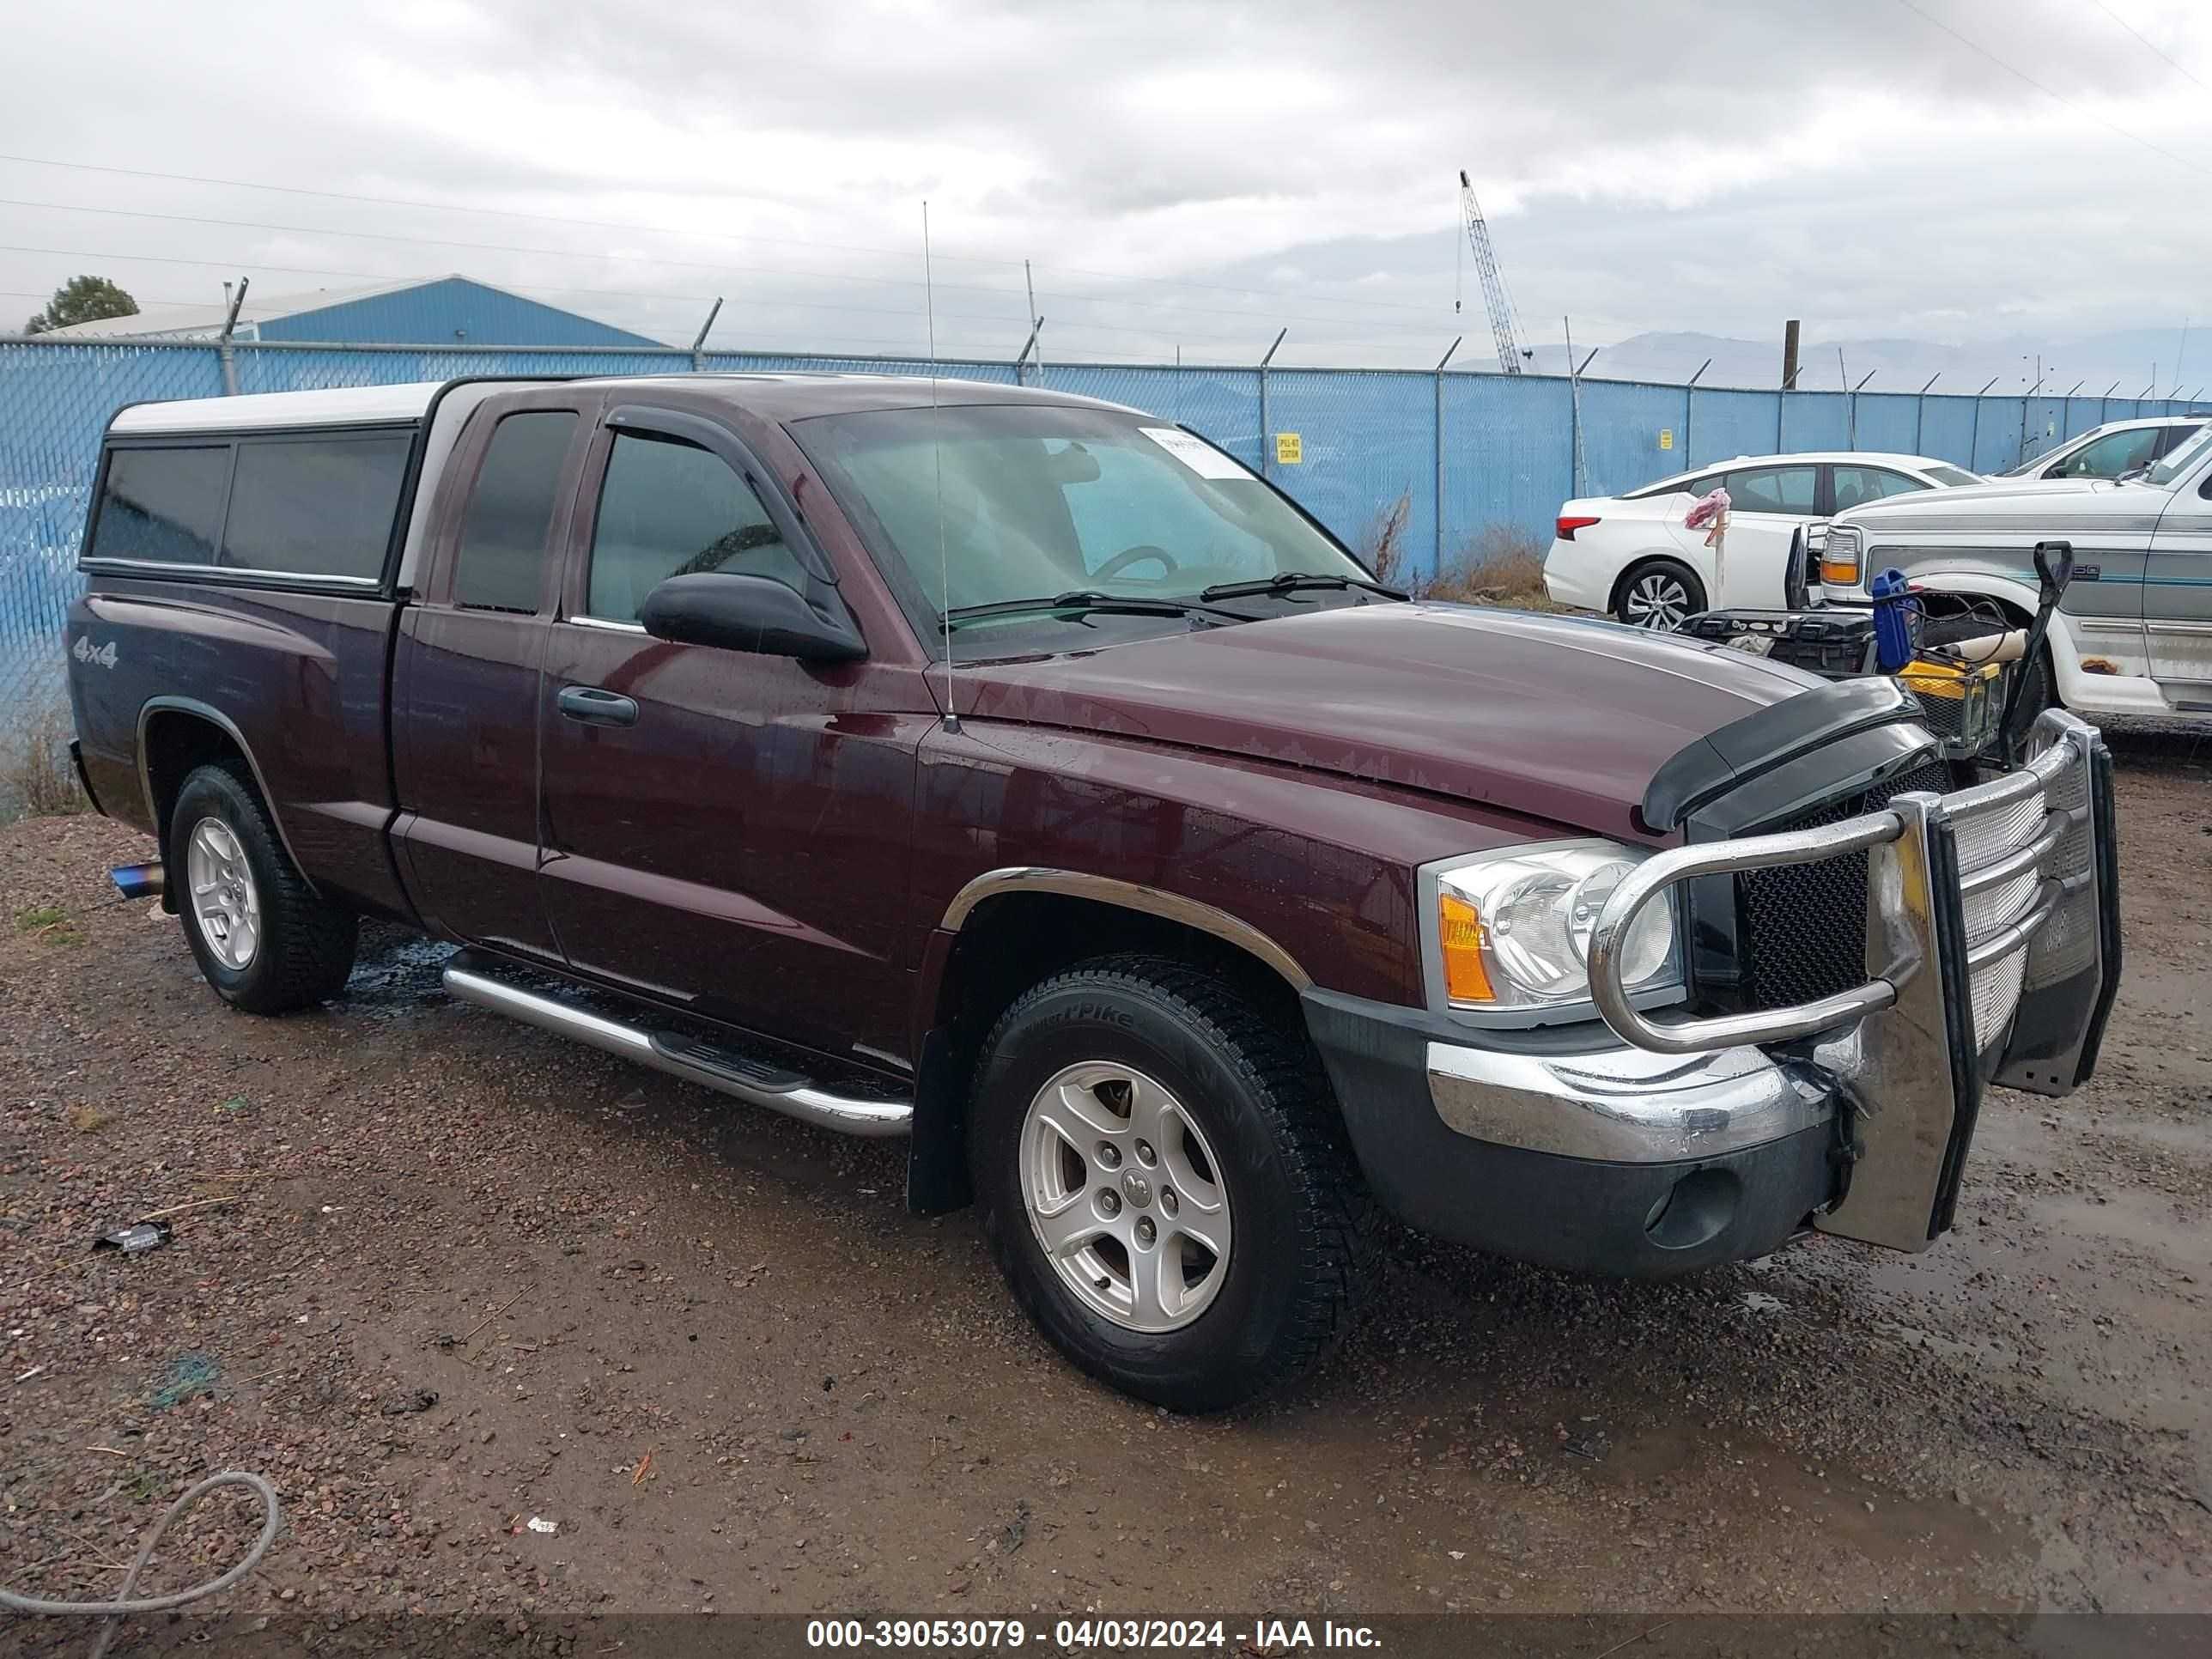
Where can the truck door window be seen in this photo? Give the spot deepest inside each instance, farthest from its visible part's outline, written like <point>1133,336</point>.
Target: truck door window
<point>502,562</point>
<point>1857,485</point>
<point>671,508</point>
<point>2110,456</point>
<point>162,504</point>
<point>1790,489</point>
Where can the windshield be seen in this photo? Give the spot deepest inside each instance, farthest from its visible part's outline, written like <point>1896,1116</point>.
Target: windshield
<point>2182,459</point>
<point>1041,499</point>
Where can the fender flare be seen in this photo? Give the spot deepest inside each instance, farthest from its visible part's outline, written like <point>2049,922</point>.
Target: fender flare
<point>1127,895</point>
<point>228,727</point>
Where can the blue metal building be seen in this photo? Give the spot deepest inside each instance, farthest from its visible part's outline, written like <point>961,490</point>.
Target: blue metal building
<point>452,310</point>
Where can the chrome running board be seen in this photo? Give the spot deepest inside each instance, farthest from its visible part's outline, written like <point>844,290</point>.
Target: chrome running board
<point>780,1092</point>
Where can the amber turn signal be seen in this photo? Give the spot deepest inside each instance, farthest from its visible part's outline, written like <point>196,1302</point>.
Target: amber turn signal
<point>1460,925</point>
<point>1844,573</point>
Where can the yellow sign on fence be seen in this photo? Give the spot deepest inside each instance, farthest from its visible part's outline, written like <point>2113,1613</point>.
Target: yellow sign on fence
<point>1290,449</point>
<point>1666,437</point>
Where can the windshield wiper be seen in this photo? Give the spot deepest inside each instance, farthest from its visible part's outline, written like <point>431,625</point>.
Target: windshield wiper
<point>1292,582</point>
<point>1086,600</point>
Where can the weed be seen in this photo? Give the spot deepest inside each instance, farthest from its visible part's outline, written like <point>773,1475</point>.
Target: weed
<point>36,778</point>
<point>1384,546</point>
<point>87,1119</point>
<point>1500,567</point>
<point>49,924</point>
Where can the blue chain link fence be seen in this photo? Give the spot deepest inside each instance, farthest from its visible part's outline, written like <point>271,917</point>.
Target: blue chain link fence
<point>1468,452</point>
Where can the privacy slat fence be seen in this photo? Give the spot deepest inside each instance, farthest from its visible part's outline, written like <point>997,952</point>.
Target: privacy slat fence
<point>1468,451</point>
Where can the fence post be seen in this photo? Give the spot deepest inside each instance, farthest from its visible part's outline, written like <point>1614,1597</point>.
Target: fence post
<point>699,340</point>
<point>1266,444</point>
<point>1690,414</point>
<point>1920,416</point>
<point>1781,402</point>
<point>229,359</point>
<point>1441,362</point>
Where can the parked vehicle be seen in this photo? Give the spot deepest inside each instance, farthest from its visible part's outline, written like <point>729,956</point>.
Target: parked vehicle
<point>1019,773</point>
<point>2133,633</point>
<point>1630,555</point>
<point>2113,450</point>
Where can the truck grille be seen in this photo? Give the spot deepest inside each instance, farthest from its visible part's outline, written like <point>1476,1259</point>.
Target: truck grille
<point>1804,925</point>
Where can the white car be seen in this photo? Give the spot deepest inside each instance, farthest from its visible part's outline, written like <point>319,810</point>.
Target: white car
<point>2113,450</point>
<point>1629,554</point>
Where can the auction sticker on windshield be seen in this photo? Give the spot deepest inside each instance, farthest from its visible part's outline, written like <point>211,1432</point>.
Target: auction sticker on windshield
<point>1200,456</point>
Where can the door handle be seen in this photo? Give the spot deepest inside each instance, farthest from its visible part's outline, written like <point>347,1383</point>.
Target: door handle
<point>594,707</point>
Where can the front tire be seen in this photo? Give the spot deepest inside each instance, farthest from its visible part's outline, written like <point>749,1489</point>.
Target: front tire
<point>262,938</point>
<point>1658,594</point>
<point>1165,1181</point>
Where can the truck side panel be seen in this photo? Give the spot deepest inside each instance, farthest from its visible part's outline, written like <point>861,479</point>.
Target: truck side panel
<point>295,679</point>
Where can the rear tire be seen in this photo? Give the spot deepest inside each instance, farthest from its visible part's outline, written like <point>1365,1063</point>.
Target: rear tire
<point>1201,1121</point>
<point>262,938</point>
<point>1657,595</point>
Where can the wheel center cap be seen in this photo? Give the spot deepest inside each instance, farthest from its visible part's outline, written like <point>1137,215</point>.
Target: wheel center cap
<point>1138,1189</point>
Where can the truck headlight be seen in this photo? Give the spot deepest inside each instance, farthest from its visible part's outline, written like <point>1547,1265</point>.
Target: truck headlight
<point>1839,556</point>
<point>1514,927</point>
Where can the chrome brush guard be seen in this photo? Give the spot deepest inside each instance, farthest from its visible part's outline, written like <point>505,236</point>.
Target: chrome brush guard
<point>1992,954</point>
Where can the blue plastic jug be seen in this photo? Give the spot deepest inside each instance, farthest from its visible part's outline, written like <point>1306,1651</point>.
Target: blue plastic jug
<point>1893,620</point>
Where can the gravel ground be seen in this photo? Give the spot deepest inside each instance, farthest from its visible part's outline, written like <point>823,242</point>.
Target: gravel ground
<point>460,1275</point>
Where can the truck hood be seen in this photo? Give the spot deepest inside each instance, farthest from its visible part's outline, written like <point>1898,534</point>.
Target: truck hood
<point>2071,496</point>
<point>1551,717</point>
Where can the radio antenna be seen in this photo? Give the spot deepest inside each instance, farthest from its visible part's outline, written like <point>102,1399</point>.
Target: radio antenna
<point>937,459</point>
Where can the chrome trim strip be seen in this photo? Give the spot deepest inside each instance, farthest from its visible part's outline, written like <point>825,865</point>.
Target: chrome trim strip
<point>1661,869</point>
<point>1622,1104</point>
<point>223,723</point>
<point>168,567</point>
<point>870,1119</point>
<point>602,624</point>
<point>1128,895</point>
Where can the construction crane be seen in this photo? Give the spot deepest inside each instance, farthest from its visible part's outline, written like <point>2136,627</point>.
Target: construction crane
<point>1505,326</point>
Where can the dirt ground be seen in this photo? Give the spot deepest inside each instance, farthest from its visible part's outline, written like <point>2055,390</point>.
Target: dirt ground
<point>469,1274</point>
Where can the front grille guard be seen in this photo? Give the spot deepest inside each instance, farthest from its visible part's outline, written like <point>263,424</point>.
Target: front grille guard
<point>1992,951</point>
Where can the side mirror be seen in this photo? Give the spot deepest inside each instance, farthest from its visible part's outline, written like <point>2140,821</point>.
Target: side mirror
<point>751,613</point>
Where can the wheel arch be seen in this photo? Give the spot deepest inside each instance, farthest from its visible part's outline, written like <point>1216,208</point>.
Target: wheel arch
<point>2020,601</point>
<point>178,734</point>
<point>1009,929</point>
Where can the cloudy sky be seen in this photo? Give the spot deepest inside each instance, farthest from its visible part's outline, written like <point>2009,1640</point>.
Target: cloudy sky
<point>1188,175</point>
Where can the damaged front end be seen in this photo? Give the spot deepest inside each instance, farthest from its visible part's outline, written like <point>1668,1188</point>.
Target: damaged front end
<point>1990,950</point>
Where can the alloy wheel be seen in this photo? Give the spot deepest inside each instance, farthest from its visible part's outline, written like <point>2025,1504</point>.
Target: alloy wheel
<point>226,905</point>
<point>1125,1196</point>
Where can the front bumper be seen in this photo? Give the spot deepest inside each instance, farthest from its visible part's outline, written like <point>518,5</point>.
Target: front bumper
<point>1576,1151</point>
<point>1665,1144</point>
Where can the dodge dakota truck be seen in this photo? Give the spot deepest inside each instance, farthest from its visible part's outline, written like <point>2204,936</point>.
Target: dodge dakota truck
<point>1021,774</point>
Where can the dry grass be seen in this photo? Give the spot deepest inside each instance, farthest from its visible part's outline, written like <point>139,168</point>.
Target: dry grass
<point>1383,547</point>
<point>1500,567</point>
<point>36,779</point>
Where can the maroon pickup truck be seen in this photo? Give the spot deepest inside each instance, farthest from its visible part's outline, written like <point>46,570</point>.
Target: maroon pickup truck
<point>1019,773</point>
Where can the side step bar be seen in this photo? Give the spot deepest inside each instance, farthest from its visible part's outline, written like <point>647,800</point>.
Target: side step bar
<point>786,1092</point>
